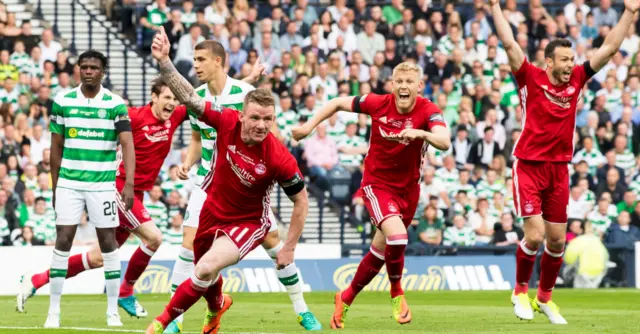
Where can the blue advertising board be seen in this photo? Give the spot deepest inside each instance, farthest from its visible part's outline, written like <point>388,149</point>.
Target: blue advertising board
<point>420,274</point>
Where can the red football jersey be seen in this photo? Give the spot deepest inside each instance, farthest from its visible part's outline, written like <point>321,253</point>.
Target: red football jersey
<point>245,175</point>
<point>152,141</point>
<point>549,113</point>
<point>393,162</point>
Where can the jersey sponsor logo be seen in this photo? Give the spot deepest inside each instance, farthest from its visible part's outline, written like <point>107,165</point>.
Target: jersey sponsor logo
<point>393,136</point>
<point>396,123</point>
<point>162,135</point>
<point>245,177</point>
<point>261,169</point>
<point>209,134</point>
<point>559,98</point>
<point>102,113</point>
<point>73,133</point>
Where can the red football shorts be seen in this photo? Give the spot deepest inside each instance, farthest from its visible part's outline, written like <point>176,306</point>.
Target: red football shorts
<point>130,220</point>
<point>383,203</point>
<point>541,187</point>
<point>247,235</point>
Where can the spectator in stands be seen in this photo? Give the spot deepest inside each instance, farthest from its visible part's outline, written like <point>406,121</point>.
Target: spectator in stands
<point>301,26</point>
<point>62,64</point>
<point>610,156</point>
<point>507,234</point>
<point>344,30</point>
<point>429,228</point>
<point>483,151</point>
<point>482,222</point>
<point>622,234</point>
<point>321,155</point>
<point>628,203</point>
<point>459,234</point>
<point>49,47</point>
<point>290,37</point>
<point>185,53</point>
<point>574,229</point>
<point>578,207</point>
<point>310,13</point>
<point>586,258</point>
<point>174,30</point>
<point>326,82</point>
<point>188,15</point>
<point>351,148</point>
<point>8,221</point>
<point>604,14</point>
<point>27,37</point>
<point>338,9</point>
<point>11,30</point>
<point>612,186</point>
<point>269,56</point>
<point>27,238</point>
<point>237,56</point>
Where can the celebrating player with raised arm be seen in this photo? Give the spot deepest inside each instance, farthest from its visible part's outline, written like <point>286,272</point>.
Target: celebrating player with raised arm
<point>403,125</point>
<point>85,124</point>
<point>235,216</point>
<point>223,91</point>
<point>153,127</point>
<point>540,173</point>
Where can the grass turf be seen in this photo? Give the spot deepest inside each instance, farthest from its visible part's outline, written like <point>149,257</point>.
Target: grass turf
<point>593,311</point>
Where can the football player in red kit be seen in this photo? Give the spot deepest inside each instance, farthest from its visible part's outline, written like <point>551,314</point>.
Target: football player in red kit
<point>403,125</point>
<point>153,127</point>
<point>540,173</point>
<point>235,217</point>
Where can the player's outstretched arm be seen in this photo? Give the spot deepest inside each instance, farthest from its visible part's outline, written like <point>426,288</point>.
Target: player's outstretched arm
<point>257,72</point>
<point>57,145</point>
<point>298,217</point>
<point>178,84</point>
<point>514,52</point>
<point>333,106</point>
<point>614,39</point>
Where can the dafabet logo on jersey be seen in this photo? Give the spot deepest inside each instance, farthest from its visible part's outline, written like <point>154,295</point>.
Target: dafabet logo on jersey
<point>73,133</point>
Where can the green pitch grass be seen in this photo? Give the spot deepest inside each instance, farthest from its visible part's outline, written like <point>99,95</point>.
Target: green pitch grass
<point>587,311</point>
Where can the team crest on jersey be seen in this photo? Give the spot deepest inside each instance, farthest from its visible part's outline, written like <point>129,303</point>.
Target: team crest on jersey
<point>167,123</point>
<point>102,113</point>
<point>571,90</point>
<point>408,124</point>
<point>145,214</point>
<point>261,169</point>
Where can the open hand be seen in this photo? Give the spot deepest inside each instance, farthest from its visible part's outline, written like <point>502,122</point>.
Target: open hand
<point>161,46</point>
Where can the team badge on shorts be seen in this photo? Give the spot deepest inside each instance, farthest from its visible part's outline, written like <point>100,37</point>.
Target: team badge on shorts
<point>260,169</point>
<point>528,207</point>
<point>392,208</point>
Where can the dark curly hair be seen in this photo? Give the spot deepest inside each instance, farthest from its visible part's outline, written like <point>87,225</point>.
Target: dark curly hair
<point>97,55</point>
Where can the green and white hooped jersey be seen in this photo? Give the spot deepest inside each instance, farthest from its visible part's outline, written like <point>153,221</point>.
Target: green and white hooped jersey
<point>89,130</point>
<point>232,97</point>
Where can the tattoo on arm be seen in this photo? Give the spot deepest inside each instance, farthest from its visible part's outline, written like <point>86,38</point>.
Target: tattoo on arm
<point>181,87</point>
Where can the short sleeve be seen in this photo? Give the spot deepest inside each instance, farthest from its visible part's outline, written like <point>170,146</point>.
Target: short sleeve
<point>121,118</point>
<point>56,125</point>
<point>366,104</point>
<point>584,72</point>
<point>217,117</point>
<point>288,175</point>
<point>522,73</point>
<point>435,117</point>
<point>193,120</point>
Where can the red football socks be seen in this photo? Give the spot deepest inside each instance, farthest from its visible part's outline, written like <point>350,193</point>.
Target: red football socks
<point>549,269</point>
<point>185,296</point>
<point>525,259</point>
<point>368,269</point>
<point>137,264</point>
<point>213,295</point>
<point>75,267</point>
<point>394,258</point>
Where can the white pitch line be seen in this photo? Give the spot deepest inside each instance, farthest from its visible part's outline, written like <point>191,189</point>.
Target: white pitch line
<point>109,330</point>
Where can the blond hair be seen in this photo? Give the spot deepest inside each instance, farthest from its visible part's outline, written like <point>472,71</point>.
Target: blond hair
<point>408,67</point>
<point>261,97</point>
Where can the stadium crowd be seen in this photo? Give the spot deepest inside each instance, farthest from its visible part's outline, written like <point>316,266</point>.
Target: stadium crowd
<point>313,54</point>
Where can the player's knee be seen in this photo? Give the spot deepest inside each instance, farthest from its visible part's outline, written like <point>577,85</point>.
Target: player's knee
<point>206,270</point>
<point>556,242</point>
<point>534,240</point>
<point>154,241</point>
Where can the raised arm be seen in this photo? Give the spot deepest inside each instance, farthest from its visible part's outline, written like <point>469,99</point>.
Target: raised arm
<point>614,39</point>
<point>514,52</point>
<point>178,84</point>
<point>333,106</point>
